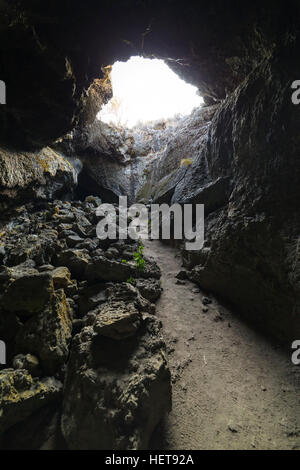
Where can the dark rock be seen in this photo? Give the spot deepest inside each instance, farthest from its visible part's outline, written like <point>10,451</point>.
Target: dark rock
<point>28,362</point>
<point>118,321</point>
<point>150,289</point>
<point>78,324</point>
<point>151,270</point>
<point>126,292</point>
<point>79,230</point>
<point>27,176</point>
<point>128,254</point>
<point>21,395</point>
<point>37,323</point>
<point>62,280</point>
<point>90,297</point>
<point>48,334</point>
<point>252,258</point>
<point>182,152</point>
<point>40,431</point>
<point>10,324</point>
<point>45,268</point>
<point>96,201</point>
<point>76,260</point>
<point>66,233</point>
<point>234,428</point>
<point>218,318</point>
<point>64,228</point>
<point>37,249</point>
<point>2,253</point>
<point>182,274</point>
<point>73,240</point>
<point>28,294</point>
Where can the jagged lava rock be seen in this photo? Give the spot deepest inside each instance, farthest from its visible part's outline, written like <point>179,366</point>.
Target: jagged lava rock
<point>21,395</point>
<point>28,175</point>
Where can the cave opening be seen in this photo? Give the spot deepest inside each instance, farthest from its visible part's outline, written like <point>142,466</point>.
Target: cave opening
<point>134,116</point>
<point>145,91</point>
<point>128,344</point>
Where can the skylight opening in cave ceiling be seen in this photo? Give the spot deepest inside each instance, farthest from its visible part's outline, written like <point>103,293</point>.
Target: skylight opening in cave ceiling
<point>147,90</point>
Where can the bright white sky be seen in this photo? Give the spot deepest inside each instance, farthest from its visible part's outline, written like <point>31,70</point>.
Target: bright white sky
<point>147,90</point>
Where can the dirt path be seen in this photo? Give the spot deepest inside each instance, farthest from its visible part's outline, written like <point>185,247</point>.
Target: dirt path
<point>231,388</point>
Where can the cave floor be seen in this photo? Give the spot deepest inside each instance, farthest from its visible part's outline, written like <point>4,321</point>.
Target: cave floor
<point>232,389</point>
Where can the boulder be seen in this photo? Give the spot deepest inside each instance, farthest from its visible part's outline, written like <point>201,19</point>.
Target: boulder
<point>28,294</point>
<point>21,395</point>
<point>62,279</point>
<point>116,396</point>
<point>118,320</point>
<point>126,292</point>
<point>44,311</point>
<point>38,248</point>
<point>33,176</point>
<point>40,431</point>
<point>28,362</point>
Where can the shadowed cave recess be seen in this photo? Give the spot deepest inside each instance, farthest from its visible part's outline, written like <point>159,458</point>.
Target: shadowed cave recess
<point>89,351</point>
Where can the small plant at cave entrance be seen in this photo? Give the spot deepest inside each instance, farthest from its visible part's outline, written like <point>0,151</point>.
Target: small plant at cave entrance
<point>131,280</point>
<point>124,261</point>
<point>138,257</point>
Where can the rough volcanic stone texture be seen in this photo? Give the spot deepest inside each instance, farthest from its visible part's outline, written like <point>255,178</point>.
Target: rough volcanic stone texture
<point>116,392</point>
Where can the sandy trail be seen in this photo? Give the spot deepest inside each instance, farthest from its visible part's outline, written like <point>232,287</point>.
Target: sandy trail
<point>232,389</point>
